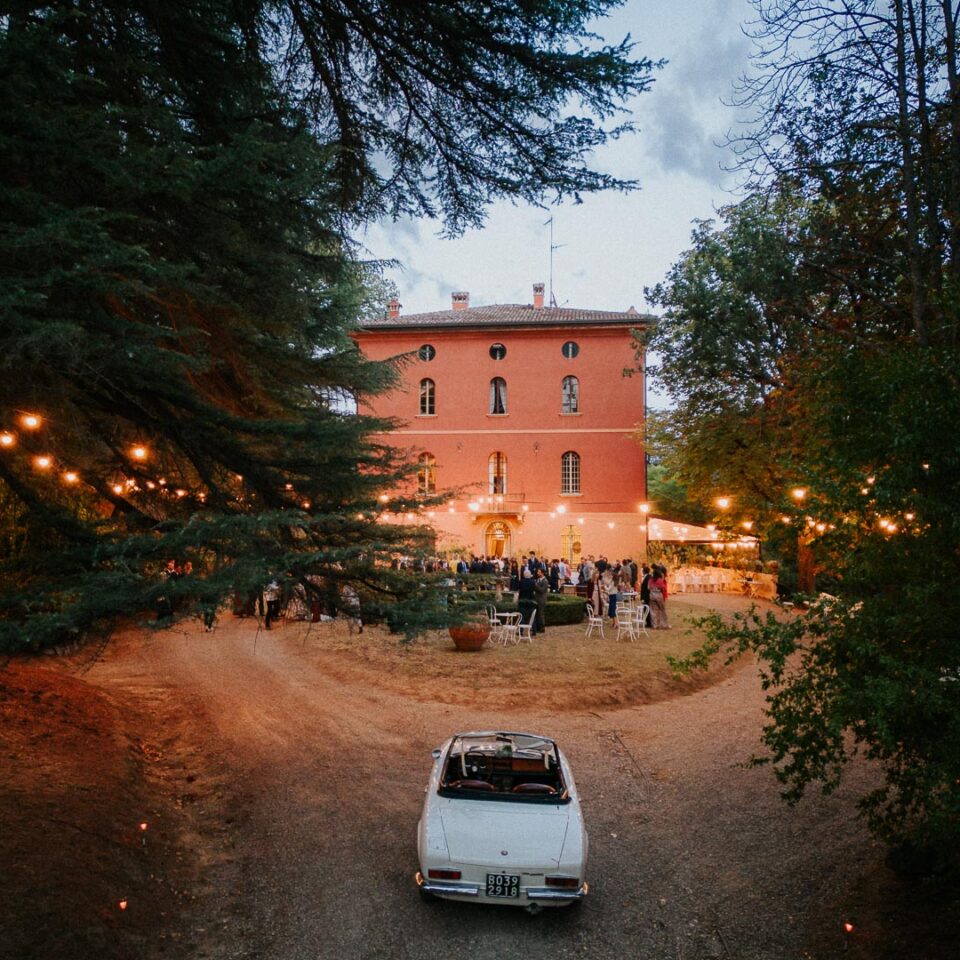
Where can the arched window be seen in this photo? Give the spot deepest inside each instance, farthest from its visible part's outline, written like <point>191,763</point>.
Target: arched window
<point>498,395</point>
<point>570,394</point>
<point>427,473</point>
<point>570,472</point>
<point>428,397</point>
<point>497,470</point>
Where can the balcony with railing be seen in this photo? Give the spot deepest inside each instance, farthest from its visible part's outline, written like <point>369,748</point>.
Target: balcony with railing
<point>500,506</point>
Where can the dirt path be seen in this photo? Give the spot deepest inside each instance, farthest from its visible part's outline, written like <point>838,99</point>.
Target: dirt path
<point>308,814</point>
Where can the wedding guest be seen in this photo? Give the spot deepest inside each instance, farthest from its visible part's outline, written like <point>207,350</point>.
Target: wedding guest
<point>658,598</point>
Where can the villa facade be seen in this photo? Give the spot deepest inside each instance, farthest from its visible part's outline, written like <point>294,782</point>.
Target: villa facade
<point>525,415</point>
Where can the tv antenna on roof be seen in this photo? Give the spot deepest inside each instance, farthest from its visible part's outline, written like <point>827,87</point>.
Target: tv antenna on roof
<point>553,246</point>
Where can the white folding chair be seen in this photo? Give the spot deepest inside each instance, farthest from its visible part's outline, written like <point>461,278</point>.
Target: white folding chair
<point>593,622</point>
<point>509,628</point>
<point>626,623</point>
<point>525,630</point>
<point>496,624</point>
<point>640,617</point>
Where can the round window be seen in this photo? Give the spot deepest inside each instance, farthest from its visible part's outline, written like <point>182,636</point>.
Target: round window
<point>498,351</point>
<point>570,349</point>
<point>426,352</point>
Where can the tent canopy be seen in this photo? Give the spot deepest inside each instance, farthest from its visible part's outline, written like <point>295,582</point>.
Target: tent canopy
<point>676,531</point>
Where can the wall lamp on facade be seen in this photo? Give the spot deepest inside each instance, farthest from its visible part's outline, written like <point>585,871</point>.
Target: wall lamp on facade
<point>723,503</point>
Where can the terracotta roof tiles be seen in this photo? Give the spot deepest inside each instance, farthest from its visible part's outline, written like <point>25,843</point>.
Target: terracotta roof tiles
<point>510,314</point>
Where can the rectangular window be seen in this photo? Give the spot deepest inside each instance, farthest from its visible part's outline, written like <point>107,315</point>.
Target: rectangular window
<point>427,398</point>
<point>498,395</point>
<point>570,473</point>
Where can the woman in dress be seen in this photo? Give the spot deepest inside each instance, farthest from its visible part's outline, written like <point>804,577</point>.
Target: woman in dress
<point>595,593</point>
<point>610,588</point>
<point>658,598</point>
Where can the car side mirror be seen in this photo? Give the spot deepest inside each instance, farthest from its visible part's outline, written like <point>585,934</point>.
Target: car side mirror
<point>435,753</point>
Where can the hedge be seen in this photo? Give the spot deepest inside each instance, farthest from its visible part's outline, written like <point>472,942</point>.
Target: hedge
<point>561,609</point>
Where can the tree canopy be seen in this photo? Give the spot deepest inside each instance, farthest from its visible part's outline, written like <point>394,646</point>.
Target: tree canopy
<point>810,343</point>
<point>178,284</point>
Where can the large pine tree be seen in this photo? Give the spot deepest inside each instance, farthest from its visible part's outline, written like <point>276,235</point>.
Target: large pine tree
<point>177,285</point>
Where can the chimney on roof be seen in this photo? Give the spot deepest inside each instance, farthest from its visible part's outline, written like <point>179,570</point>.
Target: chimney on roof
<point>460,300</point>
<point>393,308</point>
<point>538,296</point>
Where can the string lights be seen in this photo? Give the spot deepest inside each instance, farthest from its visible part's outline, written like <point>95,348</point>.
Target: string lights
<point>44,462</point>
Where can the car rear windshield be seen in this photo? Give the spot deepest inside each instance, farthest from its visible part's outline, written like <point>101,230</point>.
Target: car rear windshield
<point>514,767</point>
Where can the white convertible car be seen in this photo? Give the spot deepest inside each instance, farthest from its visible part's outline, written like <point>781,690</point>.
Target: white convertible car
<point>502,823</point>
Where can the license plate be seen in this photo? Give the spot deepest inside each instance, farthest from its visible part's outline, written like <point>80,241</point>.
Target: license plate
<point>502,885</point>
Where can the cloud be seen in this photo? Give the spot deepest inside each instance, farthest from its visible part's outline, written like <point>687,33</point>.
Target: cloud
<point>680,141</point>
<point>686,117</point>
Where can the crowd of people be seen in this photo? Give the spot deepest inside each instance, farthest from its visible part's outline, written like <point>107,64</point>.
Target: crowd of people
<point>604,583</point>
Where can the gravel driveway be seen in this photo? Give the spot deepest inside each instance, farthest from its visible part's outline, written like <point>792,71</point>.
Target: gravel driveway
<point>307,818</point>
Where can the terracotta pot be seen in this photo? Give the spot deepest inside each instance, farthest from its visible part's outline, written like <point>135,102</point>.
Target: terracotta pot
<point>470,636</point>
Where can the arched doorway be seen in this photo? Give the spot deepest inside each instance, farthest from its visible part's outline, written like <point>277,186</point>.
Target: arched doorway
<point>497,539</point>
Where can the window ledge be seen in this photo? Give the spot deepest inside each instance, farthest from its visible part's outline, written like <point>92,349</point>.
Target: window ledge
<point>577,414</point>
<point>577,494</point>
<point>426,416</point>
<point>497,416</point>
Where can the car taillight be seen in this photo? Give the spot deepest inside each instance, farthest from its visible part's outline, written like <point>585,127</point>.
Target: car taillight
<point>443,874</point>
<point>570,882</point>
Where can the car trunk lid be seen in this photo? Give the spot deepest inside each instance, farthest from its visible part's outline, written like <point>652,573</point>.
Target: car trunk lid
<point>504,834</point>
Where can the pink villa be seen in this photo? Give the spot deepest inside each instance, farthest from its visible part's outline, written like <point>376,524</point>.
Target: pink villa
<point>523,413</point>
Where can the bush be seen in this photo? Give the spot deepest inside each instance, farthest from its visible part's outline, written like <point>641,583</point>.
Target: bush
<point>561,609</point>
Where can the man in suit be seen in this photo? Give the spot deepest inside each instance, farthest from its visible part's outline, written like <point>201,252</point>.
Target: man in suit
<point>541,587</point>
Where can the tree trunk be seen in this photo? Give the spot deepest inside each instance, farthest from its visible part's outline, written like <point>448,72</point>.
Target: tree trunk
<point>806,568</point>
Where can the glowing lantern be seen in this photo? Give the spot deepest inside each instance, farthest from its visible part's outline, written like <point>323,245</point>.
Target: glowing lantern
<point>7,439</point>
<point>31,421</point>
<point>42,463</point>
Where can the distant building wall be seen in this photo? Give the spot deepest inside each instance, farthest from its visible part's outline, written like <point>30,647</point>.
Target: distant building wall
<point>461,431</point>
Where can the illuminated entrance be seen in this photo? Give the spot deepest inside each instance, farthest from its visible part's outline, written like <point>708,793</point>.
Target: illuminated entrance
<point>497,539</point>
<point>570,545</point>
